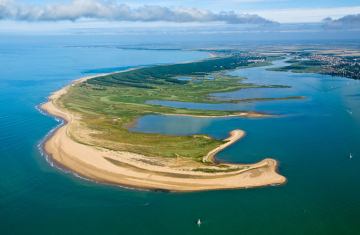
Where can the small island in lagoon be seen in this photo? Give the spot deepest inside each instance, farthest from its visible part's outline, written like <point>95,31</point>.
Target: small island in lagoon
<point>97,144</point>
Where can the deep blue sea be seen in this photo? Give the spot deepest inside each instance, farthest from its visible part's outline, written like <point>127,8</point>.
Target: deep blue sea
<point>312,139</point>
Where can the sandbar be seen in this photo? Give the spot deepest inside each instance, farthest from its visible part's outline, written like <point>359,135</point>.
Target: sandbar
<point>235,135</point>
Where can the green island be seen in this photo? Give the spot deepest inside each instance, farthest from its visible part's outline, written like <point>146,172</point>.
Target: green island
<point>302,66</point>
<point>109,104</point>
<point>96,141</point>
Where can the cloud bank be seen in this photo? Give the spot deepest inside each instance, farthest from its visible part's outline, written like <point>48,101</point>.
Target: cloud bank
<point>346,22</point>
<point>97,9</point>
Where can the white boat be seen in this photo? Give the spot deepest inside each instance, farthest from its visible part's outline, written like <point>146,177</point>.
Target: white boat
<point>350,157</point>
<point>199,222</point>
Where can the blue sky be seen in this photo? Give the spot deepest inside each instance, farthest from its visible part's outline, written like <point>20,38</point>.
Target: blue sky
<point>292,10</point>
<point>235,15</point>
<point>237,4</point>
<point>242,6</point>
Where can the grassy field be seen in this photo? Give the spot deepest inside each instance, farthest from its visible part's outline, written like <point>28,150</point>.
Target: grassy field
<point>105,104</point>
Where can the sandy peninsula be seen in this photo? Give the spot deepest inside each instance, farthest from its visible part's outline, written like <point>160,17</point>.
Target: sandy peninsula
<point>138,171</point>
<point>235,135</point>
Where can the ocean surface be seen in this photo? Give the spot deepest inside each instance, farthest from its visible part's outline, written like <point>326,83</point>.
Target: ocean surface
<point>312,139</point>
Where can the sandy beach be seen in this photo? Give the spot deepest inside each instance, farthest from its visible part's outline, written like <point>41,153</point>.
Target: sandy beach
<point>140,171</point>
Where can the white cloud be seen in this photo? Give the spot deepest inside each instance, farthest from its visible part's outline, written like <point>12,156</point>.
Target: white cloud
<point>97,9</point>
<point>307,15</point>
<point>346,22</point>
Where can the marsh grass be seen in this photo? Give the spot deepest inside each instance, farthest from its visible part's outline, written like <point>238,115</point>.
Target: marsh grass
<point>106,103</point>
<point>212,170</point>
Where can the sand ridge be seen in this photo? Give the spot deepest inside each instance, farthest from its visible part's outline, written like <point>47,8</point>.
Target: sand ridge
<point>250,114</point>
<point>235,135</point>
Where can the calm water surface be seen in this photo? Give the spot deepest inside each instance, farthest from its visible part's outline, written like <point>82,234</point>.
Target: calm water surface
<point>312,141</point>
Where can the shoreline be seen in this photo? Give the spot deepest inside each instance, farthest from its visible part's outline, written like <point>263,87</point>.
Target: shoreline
<point>138,171</point>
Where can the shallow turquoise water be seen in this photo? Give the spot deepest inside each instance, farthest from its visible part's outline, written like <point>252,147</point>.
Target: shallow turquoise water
<point>312,142</point>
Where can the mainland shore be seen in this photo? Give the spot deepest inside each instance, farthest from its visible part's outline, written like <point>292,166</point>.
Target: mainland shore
<point>140,171</point>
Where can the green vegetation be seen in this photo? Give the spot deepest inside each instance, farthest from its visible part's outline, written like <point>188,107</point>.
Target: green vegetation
<point>344,70</point>
<point>305,66</point>
<point>331,65</point>
<point>212,170</point>
<point>271,99</point>
<point>223,166</point>
<point>292,61</point>
<point>105,103</point>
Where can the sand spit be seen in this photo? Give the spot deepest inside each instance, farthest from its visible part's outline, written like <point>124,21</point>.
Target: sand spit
<point>235,135</point>
<point>139,171</point>
<point>250,114</point>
